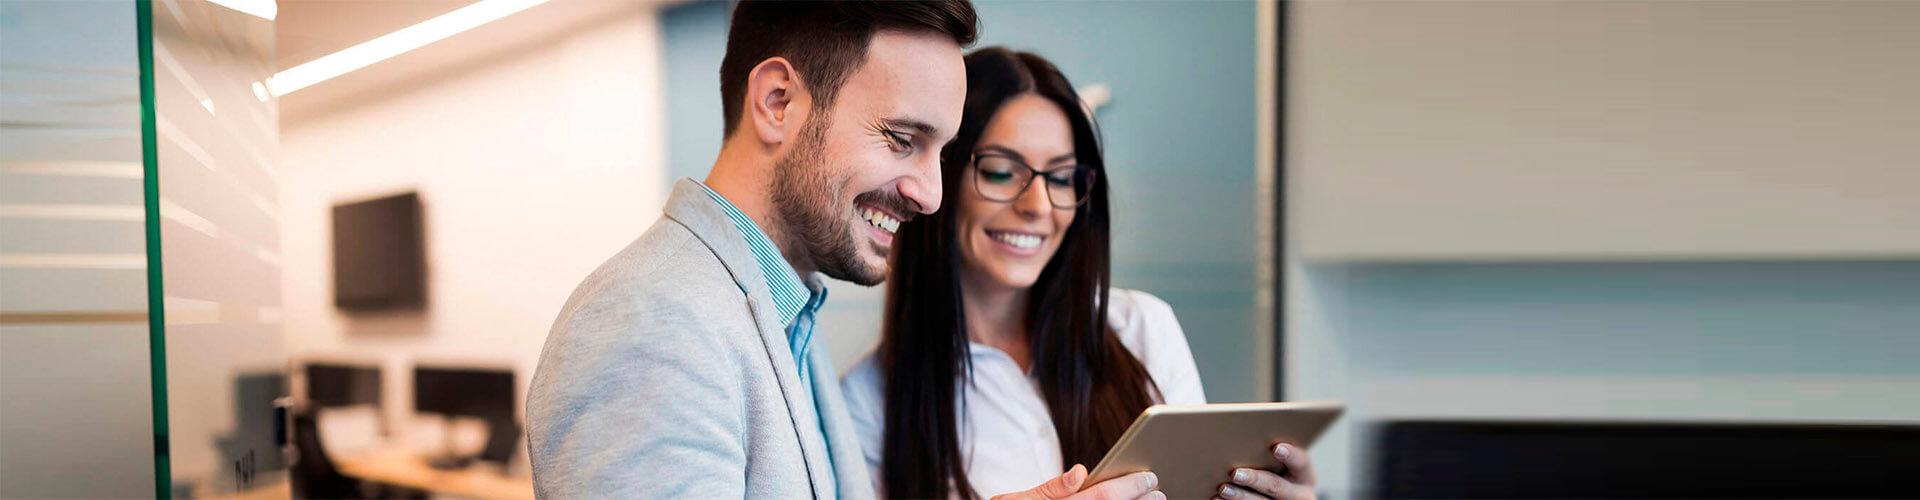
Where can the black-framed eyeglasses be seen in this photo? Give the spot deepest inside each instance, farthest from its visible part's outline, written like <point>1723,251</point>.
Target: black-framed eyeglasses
<point>1001,177</point>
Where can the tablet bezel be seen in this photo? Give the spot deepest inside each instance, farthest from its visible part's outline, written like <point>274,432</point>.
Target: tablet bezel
<point>1188,470</point>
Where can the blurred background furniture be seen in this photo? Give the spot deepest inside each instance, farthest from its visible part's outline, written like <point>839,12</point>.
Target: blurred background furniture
<point>339,384</point>
<point>1488,459</point>
<point>453,393</point>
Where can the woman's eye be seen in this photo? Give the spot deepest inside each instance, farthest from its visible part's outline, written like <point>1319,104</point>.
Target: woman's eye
<point>996,177</point>
<point>1061,179</point>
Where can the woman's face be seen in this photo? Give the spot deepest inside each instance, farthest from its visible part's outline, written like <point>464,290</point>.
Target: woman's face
<point>1008,243</point>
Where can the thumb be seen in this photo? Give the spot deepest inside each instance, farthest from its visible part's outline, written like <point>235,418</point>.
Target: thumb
<point>1059,487</point>
<point>1065,485</point>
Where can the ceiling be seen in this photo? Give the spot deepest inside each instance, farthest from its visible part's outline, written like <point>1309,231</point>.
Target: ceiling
<point>308,29</point>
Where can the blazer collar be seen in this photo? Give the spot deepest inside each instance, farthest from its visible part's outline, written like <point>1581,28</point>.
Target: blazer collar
<point>690,206</point>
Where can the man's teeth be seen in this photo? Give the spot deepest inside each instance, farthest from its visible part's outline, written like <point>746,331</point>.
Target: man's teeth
<point>1022,241</point>
<point>880,220</point>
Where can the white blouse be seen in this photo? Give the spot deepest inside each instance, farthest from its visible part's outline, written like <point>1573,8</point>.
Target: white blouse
<point>1006,432</point>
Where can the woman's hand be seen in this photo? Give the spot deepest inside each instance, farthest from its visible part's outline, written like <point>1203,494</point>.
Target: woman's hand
<point>1135,486</point>
<point>1294,482</point>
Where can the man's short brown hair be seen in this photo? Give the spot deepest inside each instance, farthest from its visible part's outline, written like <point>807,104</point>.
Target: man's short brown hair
<point>825,40</point>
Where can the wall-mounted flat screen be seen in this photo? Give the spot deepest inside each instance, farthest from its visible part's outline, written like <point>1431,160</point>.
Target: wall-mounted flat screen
<point>379,259</point>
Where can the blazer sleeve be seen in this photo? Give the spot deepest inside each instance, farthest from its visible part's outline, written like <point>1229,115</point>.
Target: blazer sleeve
<point>637,402</point>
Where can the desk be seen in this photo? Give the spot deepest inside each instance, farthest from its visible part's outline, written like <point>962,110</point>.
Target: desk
<point>276,490</point>
<point>397,466</point>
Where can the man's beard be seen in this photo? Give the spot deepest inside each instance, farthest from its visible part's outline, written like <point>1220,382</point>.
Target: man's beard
<point>806,203</point>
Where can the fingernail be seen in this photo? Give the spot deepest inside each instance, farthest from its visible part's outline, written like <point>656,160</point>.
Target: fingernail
<point>1241,476</point>
<point>1153,481</point>
<point>1156,495</point>
<point>1229,492</point>
<point>1280,451</point>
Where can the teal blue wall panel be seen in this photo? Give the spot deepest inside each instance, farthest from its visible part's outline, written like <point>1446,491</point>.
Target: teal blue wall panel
<point>1179,135</point>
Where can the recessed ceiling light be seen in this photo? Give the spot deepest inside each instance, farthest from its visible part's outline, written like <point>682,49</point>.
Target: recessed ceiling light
<point>393,44</point>
<point>264,9</point>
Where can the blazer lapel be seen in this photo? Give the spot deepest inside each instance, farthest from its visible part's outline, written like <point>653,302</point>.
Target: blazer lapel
<point>849,464</point>
<point>691,207</point>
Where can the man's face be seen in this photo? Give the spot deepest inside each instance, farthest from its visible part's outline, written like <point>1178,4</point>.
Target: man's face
<point>872,161</point>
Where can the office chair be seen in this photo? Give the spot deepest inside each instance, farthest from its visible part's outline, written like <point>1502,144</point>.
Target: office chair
<point>314,475</point>
<point>503,437</point>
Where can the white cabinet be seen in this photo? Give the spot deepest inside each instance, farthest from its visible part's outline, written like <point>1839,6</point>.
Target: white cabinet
<point>1490,131</point>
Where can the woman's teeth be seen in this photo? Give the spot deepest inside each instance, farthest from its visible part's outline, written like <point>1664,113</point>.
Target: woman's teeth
<point>879,219</point>
<point>1021,241</point>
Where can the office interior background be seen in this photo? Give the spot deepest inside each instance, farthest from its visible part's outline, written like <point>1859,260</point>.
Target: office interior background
<point>243,255</point>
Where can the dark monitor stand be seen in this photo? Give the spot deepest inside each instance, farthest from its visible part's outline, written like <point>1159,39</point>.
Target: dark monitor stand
<point>462,392</point>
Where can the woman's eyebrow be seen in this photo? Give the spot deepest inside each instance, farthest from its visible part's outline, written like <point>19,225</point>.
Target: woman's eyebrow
<point>995,148</point>
<point>1062,158</point>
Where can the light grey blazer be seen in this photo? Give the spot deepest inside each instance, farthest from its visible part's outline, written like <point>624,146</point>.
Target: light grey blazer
<point>667,375</point>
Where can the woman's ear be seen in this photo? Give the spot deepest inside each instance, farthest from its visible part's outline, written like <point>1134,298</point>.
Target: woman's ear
<point>776,101</point>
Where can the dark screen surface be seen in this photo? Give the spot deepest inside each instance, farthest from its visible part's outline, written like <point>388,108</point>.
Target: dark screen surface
<point>379,258</point>
<point>466,392</point>
<point>1468,460</point>
<point>331,384</point>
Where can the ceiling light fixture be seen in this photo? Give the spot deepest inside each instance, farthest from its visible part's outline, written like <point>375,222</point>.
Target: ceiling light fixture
<point>264,9</point>
<point>392,44</point>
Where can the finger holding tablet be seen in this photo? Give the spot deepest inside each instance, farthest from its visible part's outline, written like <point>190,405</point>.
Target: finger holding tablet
<point>1135,486</point>
<point>1235,451</point>
<point>1295,481</point>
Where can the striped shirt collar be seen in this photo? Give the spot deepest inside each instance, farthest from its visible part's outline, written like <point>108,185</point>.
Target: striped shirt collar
<point>790,294</point>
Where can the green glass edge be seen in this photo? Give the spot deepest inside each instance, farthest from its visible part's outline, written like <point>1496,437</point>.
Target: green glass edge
<point>156,298</point>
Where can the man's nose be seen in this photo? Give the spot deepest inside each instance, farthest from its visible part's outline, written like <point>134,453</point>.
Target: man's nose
<point>923,188</point>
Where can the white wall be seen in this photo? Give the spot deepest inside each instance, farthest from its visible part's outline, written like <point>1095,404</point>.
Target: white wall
<point>1610,170</point>
<point>1495,130</point>
<point>533,167</point>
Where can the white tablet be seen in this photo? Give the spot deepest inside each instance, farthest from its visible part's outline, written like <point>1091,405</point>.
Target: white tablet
<point>1194,448</point>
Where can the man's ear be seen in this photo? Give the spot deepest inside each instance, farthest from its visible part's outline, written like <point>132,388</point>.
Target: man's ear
<point>777,101</point>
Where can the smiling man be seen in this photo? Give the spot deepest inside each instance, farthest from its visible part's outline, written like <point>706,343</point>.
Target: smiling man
<point>685,365</point>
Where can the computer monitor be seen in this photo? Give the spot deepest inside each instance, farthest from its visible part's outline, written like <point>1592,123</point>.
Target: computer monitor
<point>463,392</point>
<point>467,392</point>
<point>331,384</point>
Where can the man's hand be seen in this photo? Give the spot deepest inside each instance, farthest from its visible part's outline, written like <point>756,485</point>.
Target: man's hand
<point>1294,482</point>
<point>1135,486</point>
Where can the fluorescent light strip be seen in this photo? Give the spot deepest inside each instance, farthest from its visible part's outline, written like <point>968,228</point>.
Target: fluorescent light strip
<point>393,44</point>
<point>264,9</point>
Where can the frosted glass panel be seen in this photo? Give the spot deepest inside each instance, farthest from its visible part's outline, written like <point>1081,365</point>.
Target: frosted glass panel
<point>220,245</point>
<point>74,378</point>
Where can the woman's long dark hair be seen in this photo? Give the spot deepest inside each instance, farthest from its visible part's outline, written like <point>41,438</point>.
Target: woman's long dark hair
<point>1092,385</point>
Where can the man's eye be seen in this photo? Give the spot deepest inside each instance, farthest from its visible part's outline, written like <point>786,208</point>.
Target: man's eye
<point>899,143</point>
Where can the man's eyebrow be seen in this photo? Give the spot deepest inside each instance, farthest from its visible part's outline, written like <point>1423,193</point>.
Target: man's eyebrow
<point>924,128</point>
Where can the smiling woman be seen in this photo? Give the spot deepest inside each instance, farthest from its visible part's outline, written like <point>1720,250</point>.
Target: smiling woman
<point>1002,300</point>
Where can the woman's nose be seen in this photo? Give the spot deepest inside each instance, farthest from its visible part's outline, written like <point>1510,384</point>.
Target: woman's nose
<point>1033,200</point>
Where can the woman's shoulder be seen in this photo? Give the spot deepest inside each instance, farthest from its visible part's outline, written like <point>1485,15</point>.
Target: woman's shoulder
<point>861,385</point>
<point>1134,310</point>
<point>1147,326</point>
<point>1142,321</point>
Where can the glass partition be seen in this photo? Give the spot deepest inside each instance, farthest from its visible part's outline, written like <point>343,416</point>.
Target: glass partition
<point>141,346</point>
<point>214,134</point>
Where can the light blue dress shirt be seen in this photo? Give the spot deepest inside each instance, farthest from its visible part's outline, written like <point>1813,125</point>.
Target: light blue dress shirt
<point>797,305</point>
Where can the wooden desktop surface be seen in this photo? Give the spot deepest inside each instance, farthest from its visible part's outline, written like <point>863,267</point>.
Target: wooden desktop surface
<point>401,467</point>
